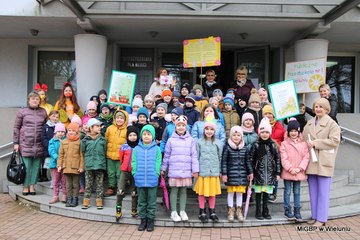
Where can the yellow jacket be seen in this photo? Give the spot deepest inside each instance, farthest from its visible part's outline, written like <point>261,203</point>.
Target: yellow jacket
<point>200,104</point>
<point>116,136</point>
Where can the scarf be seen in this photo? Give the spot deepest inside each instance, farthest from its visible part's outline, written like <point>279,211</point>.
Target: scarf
<point>106,117</point>
<point>73,138</point>
<point>50,124</point>
<point>234,146</point>
<point>93,135</point>
<point>262,144</point>
<point>255,109</point>
<point>198,98</point>
<point>210,83</point>
<point>246,129</point>
<point>240,83</point>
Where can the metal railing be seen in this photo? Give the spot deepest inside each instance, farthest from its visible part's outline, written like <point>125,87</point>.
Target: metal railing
<point>344,129</point>
<point>5,146</point>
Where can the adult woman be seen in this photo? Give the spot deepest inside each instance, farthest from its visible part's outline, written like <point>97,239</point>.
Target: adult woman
<point>324,133</point>
<point>67,104</point>
<point>210,84</point>
<point>27,139</point>
<point>41,90</point>
<point>243,85</point>
<point>156,87</point>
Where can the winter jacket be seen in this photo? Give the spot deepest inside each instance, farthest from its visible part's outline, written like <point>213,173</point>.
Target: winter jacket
<point>70,157</point>
<point>294,155</point>
<point>27,131</point>
<point>197,132</point>
<point>209,155</point>
<point>94,152</point>
<point>325,135</point>
<point>208,90</point>
<point>145,164</point>
<point>221,116</point>
<point>105,124</point>
<point>249,139</point>
<point>115,137</point>
<point>192,115</point>
<point>266,167</point>
<point>201,103</point>
<point>257,117</point>
<point>47,133</point>
<point>243,92</point>
<point>235,164</point>
<point>278,132</point>
<point>301,118</point>
<point>86,118</point>
<point>125,153</point>
<point>53,149</point>
<point>231,119</point>
<point>180,156</point>
<point>160,125</point>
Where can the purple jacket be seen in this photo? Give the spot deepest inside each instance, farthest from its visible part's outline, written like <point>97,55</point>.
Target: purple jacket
<point>27,131</point>
<point>180,156</point>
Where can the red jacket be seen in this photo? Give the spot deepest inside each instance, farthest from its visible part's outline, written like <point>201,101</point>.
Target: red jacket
<point>278,132</point>
<point>125,153</point>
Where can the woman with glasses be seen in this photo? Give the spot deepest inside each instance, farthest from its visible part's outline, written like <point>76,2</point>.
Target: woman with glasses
<point>210,84</point>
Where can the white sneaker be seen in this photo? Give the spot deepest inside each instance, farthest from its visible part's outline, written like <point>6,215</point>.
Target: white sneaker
<point>175,217</point>
<point>184,216</point>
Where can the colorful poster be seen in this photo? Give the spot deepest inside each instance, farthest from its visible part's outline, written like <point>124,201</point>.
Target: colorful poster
<point>203,52</point>
<point>166,80</point>
<point>122,86</point>
<point>284,99</point>
<point>308,75</point>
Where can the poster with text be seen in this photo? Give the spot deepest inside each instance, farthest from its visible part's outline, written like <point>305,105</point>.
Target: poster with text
<point>203,52</point>
<point>284,99</point>
<point>122,87</point>
<point>308,75</point>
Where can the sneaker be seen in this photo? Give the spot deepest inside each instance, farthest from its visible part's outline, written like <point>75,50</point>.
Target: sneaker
<point>184,216</point>
<point>54,199</point>
<point>272,198</point>
<point>175,217</point>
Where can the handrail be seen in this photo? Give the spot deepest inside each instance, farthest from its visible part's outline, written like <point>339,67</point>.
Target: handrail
<point>6,145</point>
<point>344,129</point>
<point>351,140</point>
<point>6,155</point>
<point>351,131</point>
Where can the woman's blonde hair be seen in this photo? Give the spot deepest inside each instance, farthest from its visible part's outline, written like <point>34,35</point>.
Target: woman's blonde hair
<point>241,69</point>
<point>324,103</point>
<point>326,86</point>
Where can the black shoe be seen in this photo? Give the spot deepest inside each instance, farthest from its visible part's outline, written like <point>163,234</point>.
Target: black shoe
<point>288,214</point>
<point>143,224</point>
<point>265,213</point>
<point>74,202</point>
<point>213,216</point>
<point>203,216</point>
<point>150,225</point>
<point>258,214</point>
<point>68,202</point>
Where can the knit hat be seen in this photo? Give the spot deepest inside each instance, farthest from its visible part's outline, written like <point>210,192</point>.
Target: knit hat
<point>210,121</point>
<point>120,113</point>
<point>91,105</point>
<point>149,98</point>
<point>162,105</point>
<point>181,119</point>
<point>73,126</point>
<point>197,87</point>
<point>93,122</point>
<point>247,116</point>
<point>176,94</point>
<point>148,128</point>
<point>137,102</point>
<point>267,109</point>
<point>293,125</point>
<point>186,85</point>
<point>142,111</point>
<point>254,97</point>
<point>178,111</point>
<point>166,92</point>
<point>218,92</point>
<point>76,119</point>
<point>229,99</point>
<point>190,98</point>
<point>104,105</point>
<point>132,129</point>
<point>265,126</point>
<point>236,129</point>
<point>59,127</point>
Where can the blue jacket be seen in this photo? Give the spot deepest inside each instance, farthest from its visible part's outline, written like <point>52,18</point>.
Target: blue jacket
<point>192,115</point>
<point>197,131</point>
<point>53,149</point>
<point>221,116</point>
<point>146,163</point>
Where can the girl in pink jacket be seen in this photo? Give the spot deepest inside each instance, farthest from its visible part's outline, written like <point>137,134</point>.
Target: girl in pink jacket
<point>294,160</point>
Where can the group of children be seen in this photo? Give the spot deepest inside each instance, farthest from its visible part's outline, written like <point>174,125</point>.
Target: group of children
<point>193,143</point>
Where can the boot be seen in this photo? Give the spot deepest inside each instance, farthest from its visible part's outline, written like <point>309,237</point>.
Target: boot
<point>74,202</point>
<point>239,214</point>
<point>134,212</point>
<point>297,214</point>
<point>110,192</point>
<point>54,199</point>
<point>213,216</point>
<point>68,202</point>
<point>86,203</point>
<point>258,214</point>
<point>203,216</point>
<point>288,214</point>
<point>143,224</point>
<point>119,214</point>
<point>265,212</point>
<point>150,225</point>
<point>99,203</point>
<point>231,212</point>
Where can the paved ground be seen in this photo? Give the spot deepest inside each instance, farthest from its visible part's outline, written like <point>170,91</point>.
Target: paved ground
<point>19,221</point>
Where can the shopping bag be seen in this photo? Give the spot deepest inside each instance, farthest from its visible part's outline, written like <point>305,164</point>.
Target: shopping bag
<point>16,170</point>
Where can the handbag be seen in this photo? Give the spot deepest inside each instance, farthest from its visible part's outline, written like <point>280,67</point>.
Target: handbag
<point>16,171</point>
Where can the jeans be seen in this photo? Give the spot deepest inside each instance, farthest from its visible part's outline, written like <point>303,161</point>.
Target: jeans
<point>295,185</point>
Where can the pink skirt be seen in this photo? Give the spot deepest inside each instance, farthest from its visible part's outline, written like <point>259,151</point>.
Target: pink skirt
<point>180,182</point>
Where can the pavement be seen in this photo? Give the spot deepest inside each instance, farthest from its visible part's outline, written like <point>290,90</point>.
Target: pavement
<point>22,221</point>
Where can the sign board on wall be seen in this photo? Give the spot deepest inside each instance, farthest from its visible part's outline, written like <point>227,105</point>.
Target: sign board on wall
<point>203,52</point>
<point>308,75</point>
<point>122,86</point>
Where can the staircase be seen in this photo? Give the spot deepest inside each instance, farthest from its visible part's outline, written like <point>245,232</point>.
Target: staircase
<point>344,201</point>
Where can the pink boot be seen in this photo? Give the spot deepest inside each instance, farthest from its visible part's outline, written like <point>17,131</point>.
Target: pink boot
<point>54,199</point>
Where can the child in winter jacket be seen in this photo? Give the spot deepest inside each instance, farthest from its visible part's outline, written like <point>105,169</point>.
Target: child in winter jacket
<point>53,149</point>
<point>265,160</point>
<point>247,125</point>
<point>254,108</point>
<point>208,183</point>
<point>215,103</point>
<point>115,136</point>
<point>142,119</point>
<point>181,159</point>
<point>105,117</point>
<point>231,117</point>
<point>125,153</point>
<point>159,121</point>
<point>136,104</point>
<point>149,103</point>
<point>200,100</point>
<point>71,162</point>
<point>145,164</point>
<point>93,148</point>
<point>189,110</point>
<point>236,169</point>
<point>294,160</point>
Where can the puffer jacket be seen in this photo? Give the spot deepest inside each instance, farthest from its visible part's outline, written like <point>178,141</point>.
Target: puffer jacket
<point>209,155</point>
<point>192,115</point>
<point>169,130</point>
<point>197,132</point>
<point>27,131</point>
<point>116,136</point>
<point>243,92</point>
<point>231,119</point>
<point>294,155</point>
<point>235,164</point>
<point>159,125</point>
<point>94,151</point>
<point>47,133</point>
<point>265,167</point>
<point>70,157</point>
<point>278,132</point>
<point>180,156</point>
<point>54,146</point>
<point>250,138</point>
<point>125,153</point>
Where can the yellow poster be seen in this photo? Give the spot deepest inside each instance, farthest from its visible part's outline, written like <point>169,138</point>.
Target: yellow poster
<point>203,52</point>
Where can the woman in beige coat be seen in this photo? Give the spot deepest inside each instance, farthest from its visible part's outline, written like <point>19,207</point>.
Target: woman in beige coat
<point>324,135</point>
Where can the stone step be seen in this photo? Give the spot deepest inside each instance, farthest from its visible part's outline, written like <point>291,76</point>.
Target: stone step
<point>162,217</point>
